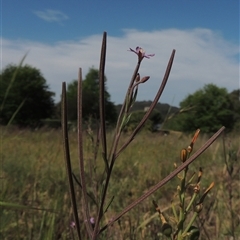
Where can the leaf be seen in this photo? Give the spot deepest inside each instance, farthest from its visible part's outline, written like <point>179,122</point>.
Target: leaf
<point>110,202</point>
<point>106,163</point>
<point>21,207</point>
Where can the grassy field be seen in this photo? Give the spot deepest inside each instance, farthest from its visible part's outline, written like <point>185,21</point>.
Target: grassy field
<point>33,174</point>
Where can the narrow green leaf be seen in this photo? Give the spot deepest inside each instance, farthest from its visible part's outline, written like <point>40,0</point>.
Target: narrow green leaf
<point>12,81</point>
<point>21,207</point>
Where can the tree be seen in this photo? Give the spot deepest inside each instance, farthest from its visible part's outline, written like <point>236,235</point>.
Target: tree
<point>151,123</point>
<point>211,109</point>
<point>24,91</point>
<point>235,99</point>
<point>90,98</point>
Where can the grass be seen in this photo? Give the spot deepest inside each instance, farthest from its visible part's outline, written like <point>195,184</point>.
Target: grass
<point>33,174</point>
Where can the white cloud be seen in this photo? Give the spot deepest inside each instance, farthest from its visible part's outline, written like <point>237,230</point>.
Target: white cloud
<point>202,57</point>
<point>51,15</point>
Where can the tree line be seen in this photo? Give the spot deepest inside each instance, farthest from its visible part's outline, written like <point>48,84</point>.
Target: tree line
<point>26,100</point>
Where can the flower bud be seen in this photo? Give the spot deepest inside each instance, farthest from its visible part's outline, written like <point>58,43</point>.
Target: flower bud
<point>137,79</point>
<point>190,148</point>
<point>200,173</point>
<point>198,208</point>
<point>144,79</point>
<point>196,189</point>
<point>195,136</point>
<point>183,155</point>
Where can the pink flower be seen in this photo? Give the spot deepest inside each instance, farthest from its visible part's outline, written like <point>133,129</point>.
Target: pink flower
<point>92,220</point>
<point>72,224</point>
<point>141,53</point>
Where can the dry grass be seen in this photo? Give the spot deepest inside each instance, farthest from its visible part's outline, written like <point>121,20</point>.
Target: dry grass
<point>33,174</point>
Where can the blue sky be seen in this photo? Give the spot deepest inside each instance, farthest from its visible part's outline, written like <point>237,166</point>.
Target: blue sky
<point>61,36</point>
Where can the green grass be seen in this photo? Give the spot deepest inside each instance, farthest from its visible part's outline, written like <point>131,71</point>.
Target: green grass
<point>33,174</point>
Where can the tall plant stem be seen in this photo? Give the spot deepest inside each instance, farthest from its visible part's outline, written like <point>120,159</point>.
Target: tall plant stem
<point>67,158</point>
<point>101,95</point>
<point>158,95</point>
<point>80,157</point>
<point>120,118</point>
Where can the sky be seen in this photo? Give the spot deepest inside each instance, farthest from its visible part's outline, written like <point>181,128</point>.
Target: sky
<point>60,36</point>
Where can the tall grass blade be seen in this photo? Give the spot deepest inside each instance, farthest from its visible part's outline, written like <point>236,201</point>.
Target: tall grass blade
<point>12,81</point>
<point>16,112</point>
<point>42,226</point>
<point>16,206</point>
<point>67,158</point>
